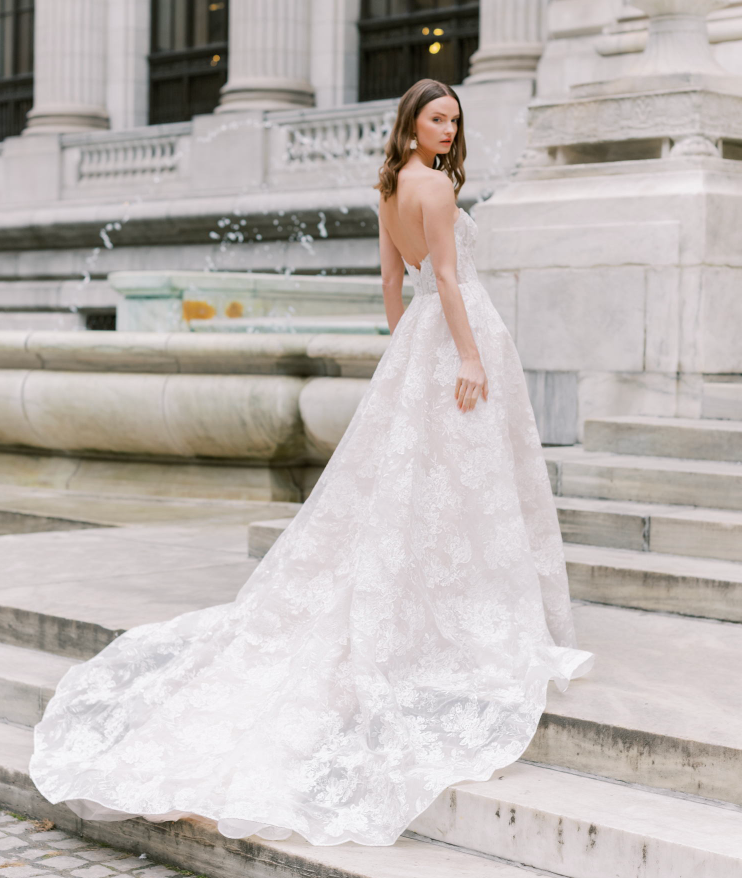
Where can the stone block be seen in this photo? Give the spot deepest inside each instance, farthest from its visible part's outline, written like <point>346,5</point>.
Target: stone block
<point>701,533</point>
<point>253,417</point>
<point>570,320</point>
<point>697,438</point>
<point>261,535</point>
<point>502,288</point>
<point>662,319</point>
<point>601,523</point>
<point>604,393</point>
<point>15,426</point>
<point>581,246</point>
<point>702,587</point>
<point>554,399</point>
<point>31,169</point>
<point>722,399</point>
<point>720,320</point>
<point>74,411</point>
<point>327,406</point>
<point>13,351</point>
<point>649,480</point>
<point>101,351</point>
<point>555,820</point>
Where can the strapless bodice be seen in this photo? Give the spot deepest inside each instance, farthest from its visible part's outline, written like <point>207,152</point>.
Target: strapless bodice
<point>465,232</point>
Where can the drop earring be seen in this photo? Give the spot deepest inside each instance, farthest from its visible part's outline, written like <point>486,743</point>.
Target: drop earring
<point>413,144</point>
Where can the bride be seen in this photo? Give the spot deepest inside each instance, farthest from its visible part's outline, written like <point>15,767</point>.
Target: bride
<point>400,634</point>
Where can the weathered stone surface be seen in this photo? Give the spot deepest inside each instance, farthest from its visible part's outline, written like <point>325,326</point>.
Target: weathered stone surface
<point>673,530</point>
<point>187,479</point>
<point>327,406</point>
<point>254,417</point>
<point>561,313</point>
<point>581,246</point>
<point>654,581</point>
<point>598,474</point>
<point>261,535</point>
<point>700,439</point>
<point>28,678</point>
<point>722,399</point>
<point>114,579</point>
<point>629,719</point>
<point>195,844</point>
<point>581,826</point>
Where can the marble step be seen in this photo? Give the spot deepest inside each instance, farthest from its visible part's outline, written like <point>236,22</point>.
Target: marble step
<point>662,705</point>
<point>28,678</point>
<point>194,843</point>
<point>698,438</point>
<point>722,399</point>
<point>575,472</point>
<point>565,823</point>
<point>627,719</point>
<point>262,534</point>
<point>72,592</point>
<point>647,580</point>
<point>619,524</point>
<point>584,827</point>
<point>653,581</point>
<point>652,527</point>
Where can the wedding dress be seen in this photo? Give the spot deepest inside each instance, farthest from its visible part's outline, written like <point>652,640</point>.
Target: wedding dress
<point>398,636</point>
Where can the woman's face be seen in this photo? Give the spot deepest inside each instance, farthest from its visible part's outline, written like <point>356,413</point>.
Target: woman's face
<point>436,125</point>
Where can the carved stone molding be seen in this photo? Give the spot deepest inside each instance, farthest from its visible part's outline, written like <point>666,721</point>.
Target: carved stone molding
<point>634,116</point>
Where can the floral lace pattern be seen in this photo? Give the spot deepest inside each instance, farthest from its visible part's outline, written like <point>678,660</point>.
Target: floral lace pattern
<point>398,636</point>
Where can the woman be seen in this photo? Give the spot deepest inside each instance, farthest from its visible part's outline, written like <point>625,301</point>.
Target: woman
<point>400,634</point>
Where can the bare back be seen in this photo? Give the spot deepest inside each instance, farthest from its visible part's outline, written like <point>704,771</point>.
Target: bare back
<point>402,214</point>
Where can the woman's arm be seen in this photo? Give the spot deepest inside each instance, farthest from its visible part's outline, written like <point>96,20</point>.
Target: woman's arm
<point>392,277</point>
<point>439,207</point>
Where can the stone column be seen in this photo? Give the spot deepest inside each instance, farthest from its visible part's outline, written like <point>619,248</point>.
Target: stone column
<point>70,68</point>
<point>268,56</point>
<point>129,26</point>
<point>512,34</point>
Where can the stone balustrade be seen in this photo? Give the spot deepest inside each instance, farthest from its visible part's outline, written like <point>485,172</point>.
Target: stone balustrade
<point>159,406</point>
<point>125,158</point>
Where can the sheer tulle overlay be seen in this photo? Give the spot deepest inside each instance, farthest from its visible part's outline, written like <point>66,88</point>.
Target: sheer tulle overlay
<point>398,637</point>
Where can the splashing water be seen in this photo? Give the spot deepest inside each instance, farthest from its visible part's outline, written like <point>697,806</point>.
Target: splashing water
<point>232,229</point>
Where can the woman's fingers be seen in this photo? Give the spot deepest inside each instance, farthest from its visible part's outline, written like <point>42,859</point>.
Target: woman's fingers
<point>468,399</point>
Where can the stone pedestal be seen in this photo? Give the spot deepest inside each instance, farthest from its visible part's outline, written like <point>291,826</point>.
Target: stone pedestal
<point>614,253</point>
<point>268,56</point>
<point>70,67</point>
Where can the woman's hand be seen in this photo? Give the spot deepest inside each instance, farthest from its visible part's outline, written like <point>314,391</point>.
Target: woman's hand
<point>471,383</point>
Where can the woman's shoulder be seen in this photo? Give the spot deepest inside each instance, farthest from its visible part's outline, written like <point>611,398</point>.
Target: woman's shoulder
<point>427,181</point>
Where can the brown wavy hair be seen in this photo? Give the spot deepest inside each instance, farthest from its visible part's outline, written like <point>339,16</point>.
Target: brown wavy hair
<point>397,149</point>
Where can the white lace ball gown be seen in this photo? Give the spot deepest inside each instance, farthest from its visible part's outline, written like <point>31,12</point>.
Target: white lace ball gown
<point>398,637</point>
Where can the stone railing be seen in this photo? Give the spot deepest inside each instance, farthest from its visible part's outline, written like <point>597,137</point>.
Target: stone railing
<point>298,143</point>
<point>154,412</point>
<point>349,133</point>
<point>109,160</point>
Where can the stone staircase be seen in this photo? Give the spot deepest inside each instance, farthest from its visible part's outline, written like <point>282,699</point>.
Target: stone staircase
<point>634,772</point>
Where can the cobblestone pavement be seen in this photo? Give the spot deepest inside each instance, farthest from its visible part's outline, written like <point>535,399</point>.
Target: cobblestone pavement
<point>30,848</point>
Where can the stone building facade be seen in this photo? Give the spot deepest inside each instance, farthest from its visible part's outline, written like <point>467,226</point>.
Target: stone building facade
<point>137,148</point>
